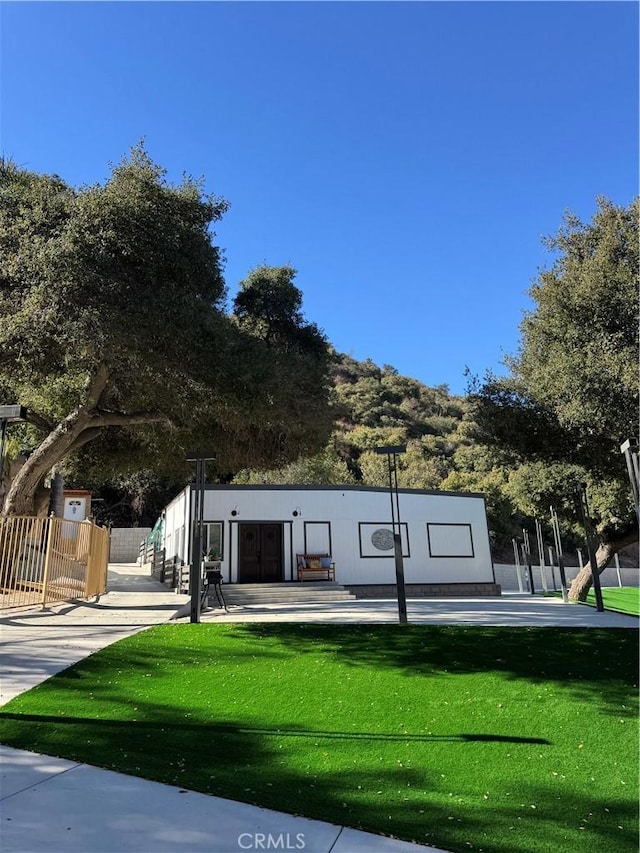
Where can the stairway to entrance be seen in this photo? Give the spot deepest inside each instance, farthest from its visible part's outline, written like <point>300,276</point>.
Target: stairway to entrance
<point>313,592</point>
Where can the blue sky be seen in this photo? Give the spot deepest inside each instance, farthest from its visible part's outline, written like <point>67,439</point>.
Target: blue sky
<point>405,158</point>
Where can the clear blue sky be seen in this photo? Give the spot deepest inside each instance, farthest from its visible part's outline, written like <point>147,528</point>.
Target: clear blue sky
<point>405,158</point>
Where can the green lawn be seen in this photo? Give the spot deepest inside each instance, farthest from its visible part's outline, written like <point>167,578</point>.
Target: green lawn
<point>624,599</point>
<point>491,739</point>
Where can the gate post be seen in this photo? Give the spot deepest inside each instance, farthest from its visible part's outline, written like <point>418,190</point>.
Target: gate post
<point>47,558</point>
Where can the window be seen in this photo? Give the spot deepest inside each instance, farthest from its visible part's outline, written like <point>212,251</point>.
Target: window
<point>212,538</point>
<point>450,540</point>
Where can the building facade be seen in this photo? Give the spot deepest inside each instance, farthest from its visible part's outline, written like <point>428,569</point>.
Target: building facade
<point>258,532</point>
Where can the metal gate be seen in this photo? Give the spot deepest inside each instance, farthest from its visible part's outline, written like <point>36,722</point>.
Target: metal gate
<point>46,560</point>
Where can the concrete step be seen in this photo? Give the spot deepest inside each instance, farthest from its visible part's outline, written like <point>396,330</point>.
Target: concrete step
<point>311,592</point>
<point>284,599</point>
<point>285,585</point>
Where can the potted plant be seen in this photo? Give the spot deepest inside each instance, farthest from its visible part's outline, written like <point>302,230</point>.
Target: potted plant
<point>212,559</point>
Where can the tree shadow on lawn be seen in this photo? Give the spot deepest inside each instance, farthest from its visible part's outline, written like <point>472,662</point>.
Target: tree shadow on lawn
<point>595,664</point>
<point>231,730</point>
<point>245,763</point>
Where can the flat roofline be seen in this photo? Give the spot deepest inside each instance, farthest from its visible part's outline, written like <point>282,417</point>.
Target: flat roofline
<point>240,487</point>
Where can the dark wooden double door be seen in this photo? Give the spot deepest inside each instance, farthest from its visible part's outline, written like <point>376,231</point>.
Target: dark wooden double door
<point>260,553</point>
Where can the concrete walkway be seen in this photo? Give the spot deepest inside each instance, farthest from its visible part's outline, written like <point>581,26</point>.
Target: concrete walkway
<point>510,609</point>
<point>59,806</point>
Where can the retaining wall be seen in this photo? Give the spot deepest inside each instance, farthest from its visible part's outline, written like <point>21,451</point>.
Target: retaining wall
<point>507,578</point>
<point>125,543</point>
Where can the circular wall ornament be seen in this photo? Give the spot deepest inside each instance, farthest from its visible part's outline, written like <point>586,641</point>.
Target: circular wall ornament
<point>382,539</point>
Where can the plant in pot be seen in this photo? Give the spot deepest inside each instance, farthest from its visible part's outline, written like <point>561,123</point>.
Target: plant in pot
<point>212,558</point>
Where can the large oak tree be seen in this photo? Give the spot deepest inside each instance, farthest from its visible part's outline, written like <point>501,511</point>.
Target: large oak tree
<point>113,332</point>
<point>572,396</point>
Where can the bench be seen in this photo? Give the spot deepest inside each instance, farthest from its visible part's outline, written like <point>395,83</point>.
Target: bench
<point>315,567</point>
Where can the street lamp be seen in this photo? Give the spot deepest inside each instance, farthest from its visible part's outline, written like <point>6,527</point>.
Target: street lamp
<point>9,415</point>
<point>392,452</point>
<point>196,518</point>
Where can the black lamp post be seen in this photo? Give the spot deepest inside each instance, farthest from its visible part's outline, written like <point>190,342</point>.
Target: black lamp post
<point>9,415</point>
<point>526,554</point>
<point>581,495</point>
<point>196,517</point>
<point>630,451</point>
<point>392,452</point>
<point>555,526</point>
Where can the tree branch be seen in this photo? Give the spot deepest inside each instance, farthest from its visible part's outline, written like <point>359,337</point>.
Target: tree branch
<point>38,421</point>
<point>105,419</point>
<point>95,387</point>
<point>85,437</point>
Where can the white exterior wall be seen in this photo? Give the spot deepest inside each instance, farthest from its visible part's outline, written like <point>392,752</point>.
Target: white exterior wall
<point>175,529</point>
<point>340,521</point>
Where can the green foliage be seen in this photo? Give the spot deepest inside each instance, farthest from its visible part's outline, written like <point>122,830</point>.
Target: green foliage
<point>379,397</point>
<point>112,317</point>
<point>371,407</point>
<point>134,500</point>
<point>113,333</point>
<point>324,468</point>
<point>477,468</point>
<point>377,406</point>
<point>579,353</point>
<point>572,397</point>
<point>526,441</point>
<point>368,437</point>
<point>270,306</point>
<point>103,274</point>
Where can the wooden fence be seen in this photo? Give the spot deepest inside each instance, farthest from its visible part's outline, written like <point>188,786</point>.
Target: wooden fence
<point>173,573</point>
<point>48,560</point>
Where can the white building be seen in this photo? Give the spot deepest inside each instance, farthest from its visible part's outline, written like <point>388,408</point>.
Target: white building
<point>258,531</point>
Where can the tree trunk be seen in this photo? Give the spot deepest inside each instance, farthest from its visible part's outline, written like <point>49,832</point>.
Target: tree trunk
<point>604,554</point>
<point>56,495</point>
<point>22,497</point>
<point>26,495</point>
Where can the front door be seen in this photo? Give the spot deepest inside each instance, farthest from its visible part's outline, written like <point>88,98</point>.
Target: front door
<point>260,557</point>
